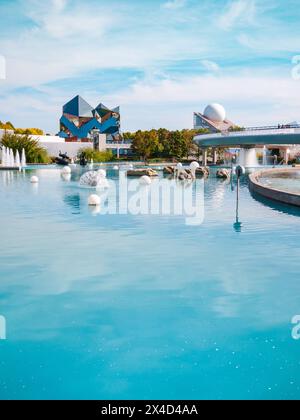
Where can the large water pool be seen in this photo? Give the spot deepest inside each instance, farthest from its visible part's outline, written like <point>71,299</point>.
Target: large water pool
<point>145,306</point>
<point>289,182</point>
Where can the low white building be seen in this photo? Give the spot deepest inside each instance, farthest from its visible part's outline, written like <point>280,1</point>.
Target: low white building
<point>55,145</point>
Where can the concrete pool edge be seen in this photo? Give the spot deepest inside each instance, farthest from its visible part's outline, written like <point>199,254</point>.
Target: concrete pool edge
<point>272,193</point>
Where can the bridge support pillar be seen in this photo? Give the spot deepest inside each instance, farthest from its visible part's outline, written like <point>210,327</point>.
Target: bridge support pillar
<point>215,156</point>
<point>204,157</point>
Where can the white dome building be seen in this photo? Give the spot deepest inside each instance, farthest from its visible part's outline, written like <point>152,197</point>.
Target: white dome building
<point>215,112</point>
<point>213,119</point>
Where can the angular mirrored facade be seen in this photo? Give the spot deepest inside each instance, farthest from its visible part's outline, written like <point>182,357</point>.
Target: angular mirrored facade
<point>81,121</point>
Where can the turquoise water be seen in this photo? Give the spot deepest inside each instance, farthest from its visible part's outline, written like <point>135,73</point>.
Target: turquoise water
<point>284,182</point>
<point>145,307</point>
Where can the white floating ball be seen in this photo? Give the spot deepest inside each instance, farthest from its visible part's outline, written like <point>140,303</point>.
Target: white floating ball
<point>101,173</point>
<point>115,168</point>
<point>34,180</point>
<point>194,166</point>
<point>94,200</point>
<point>145,180</point>
<point>66,170</point>
<point>66,177</point>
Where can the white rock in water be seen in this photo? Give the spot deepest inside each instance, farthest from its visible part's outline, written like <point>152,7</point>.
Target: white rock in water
<point>145,180</point>
<point>34,180</point>
<point>94,200</point>
<point>66,170</point>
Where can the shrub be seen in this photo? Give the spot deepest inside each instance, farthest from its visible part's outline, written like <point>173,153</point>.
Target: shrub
<point>96,155</point>
<point>34,152</point>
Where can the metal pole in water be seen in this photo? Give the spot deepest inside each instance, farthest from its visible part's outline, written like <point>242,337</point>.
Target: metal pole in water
<point>239,171</point>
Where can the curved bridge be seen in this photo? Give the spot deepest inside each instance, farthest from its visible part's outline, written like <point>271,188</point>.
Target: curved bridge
<point>250,138</point>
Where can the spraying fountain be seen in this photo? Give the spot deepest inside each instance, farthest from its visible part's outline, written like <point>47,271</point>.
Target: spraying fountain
<point>247,158</point>
<point>10,160</point>
<point>265,159</point>
<point>23,159</point>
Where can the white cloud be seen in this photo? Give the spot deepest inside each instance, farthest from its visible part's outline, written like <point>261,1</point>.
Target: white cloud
<point>59,5</point>
<point>68,41</point>
<point>210,66</point>
<point>174,4</point>
<point>249,99</point>
<point>59,23</point>
<point>2,68</point>
<point>238,12</point>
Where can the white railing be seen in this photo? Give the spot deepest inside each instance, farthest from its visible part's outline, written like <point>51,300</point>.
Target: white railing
<point>278,131</point>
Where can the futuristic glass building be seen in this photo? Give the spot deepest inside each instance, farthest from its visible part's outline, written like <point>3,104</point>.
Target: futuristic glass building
<point>80,120</point>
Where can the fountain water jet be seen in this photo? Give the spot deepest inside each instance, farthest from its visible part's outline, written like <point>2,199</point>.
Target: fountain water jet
<point>247,158</point>
<point>23,159</point>
<point>18,159</point>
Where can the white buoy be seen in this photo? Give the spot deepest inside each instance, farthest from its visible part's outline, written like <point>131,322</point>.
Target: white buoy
<point>193,167</point>
<point>94,200</point>
<point>66,170</point>
<point>179,169</point>
<point>101,173</point>
<point>116,168</point>
<point>66,177</point>
<point>145,180</point>
<point>34,180</point>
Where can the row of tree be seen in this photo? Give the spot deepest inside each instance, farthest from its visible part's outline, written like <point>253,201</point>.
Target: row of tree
<point>25,131</point>
<point>163,143</point>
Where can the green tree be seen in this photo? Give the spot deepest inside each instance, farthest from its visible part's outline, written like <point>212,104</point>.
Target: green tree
<point>96,155</point>
<point>29,131</point>
<point>145,144</point>
<point>6,126</point>
<point>177,145</point>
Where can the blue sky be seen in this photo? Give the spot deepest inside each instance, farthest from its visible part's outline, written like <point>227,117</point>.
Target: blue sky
<point>159,59</point>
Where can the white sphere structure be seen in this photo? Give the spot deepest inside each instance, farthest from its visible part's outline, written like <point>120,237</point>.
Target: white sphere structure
<point>94,200</point>
<point>145,180</point>
<point>34,180</point>
<point>66,170</point>
<point>215,112</point>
